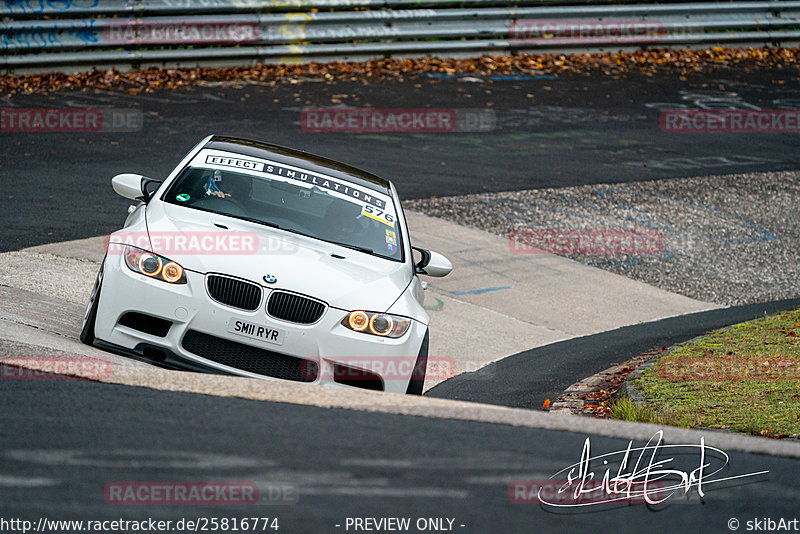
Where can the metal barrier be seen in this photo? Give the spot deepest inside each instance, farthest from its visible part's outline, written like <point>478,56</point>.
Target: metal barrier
<point>39,35</point>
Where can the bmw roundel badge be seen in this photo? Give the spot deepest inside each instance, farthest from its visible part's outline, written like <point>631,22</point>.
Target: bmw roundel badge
<point>268,278</point>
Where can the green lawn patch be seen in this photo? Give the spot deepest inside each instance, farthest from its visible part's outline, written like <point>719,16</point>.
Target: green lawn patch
<point>745,378</point>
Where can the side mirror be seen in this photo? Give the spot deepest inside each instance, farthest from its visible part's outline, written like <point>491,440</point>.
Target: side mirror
<point>432,263</point>
<point>134,186</point>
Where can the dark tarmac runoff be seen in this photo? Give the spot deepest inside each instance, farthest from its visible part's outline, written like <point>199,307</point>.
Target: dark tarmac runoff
<point>527,379</point>
<point>510,134</point>
<point>71,446</point>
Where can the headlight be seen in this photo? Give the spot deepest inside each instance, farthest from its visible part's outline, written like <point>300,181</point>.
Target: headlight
<point>377,324</point>
<point>154,266</point>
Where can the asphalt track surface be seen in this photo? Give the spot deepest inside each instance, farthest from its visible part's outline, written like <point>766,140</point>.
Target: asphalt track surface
<point>71,438</point>
<point>337,463</point>
<point>526,379</point>
<point>572,130</point>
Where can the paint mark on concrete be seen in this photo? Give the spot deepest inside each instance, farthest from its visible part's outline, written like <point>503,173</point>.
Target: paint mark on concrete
<point>479,291</point>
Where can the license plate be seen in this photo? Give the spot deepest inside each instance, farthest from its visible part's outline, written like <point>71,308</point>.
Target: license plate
<point>256,331</point>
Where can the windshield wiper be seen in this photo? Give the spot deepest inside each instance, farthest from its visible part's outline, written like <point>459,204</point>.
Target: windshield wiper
<point>270,224</point>
<point>257,221</point>
<point>244,218</point>
<point>354,247</point>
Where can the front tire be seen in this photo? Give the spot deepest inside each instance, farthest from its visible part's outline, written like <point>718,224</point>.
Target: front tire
<point>417,381</point>
<point>90,317</point>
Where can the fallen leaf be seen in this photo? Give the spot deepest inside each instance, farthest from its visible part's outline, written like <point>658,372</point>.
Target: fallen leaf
<point>613,64</point>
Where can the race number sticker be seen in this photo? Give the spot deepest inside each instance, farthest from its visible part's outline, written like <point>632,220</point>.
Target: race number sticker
<point>378,214</point>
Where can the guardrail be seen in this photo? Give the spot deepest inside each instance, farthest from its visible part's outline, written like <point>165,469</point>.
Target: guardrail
<point>73,35</point>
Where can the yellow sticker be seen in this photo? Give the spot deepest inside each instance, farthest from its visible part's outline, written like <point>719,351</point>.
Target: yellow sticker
<point>378,214</point>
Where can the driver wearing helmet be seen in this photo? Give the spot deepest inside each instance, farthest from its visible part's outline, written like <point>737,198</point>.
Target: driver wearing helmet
<point>236,187</point>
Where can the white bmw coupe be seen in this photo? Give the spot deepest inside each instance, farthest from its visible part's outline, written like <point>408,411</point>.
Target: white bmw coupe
<point>262,261</point>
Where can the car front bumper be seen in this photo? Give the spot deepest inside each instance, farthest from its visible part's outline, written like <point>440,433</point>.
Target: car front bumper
<point>325,352</point>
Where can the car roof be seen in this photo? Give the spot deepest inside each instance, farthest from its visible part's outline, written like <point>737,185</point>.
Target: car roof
<point>298,158</point>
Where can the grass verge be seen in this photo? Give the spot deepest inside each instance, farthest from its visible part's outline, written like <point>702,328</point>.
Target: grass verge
<point>745,378</point>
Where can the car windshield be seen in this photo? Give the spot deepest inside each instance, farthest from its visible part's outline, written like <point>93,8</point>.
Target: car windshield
<point>275,195</point>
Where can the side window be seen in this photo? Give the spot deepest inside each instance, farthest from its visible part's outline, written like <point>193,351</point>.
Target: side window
<point>188,188</point>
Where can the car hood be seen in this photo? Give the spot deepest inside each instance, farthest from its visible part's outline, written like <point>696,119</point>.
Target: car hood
<point>353,280</point>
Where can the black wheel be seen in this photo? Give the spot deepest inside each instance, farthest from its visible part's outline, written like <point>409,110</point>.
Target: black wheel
<point>420,368</point>
<point>90,317</point>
